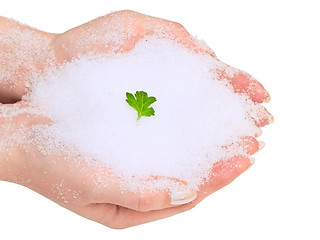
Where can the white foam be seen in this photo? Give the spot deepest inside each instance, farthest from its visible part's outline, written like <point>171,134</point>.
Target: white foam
<point>195,114</point>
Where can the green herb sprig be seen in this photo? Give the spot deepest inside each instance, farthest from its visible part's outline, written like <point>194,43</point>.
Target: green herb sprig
<point>141,102</point>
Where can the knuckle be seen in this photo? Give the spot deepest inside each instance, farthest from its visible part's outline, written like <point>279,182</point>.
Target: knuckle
<point>178,26</point>
<point>143,204</point>
<point>124,14</point>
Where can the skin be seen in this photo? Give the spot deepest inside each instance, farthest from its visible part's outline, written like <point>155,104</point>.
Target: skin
<point>73,184</point>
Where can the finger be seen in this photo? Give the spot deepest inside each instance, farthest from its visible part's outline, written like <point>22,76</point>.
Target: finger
<point>242,83</point>
<point>251,145</point>
<point>245,146</point>
<point>223,173</point>
<point>263,117</point>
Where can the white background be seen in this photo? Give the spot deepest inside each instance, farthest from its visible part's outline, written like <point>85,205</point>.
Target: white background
<point>278,198</point>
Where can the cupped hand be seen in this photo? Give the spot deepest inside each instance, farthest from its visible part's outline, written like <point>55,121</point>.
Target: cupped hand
<point>78,186</point>
<point>91,190</point>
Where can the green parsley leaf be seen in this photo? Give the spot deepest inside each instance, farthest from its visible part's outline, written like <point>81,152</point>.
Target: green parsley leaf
<point>141,102</point>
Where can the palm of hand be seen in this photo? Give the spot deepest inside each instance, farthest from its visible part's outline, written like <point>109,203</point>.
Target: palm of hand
<point>74,188</point>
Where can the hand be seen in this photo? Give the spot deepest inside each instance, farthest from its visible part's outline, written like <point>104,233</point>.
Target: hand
<point>68,180</point>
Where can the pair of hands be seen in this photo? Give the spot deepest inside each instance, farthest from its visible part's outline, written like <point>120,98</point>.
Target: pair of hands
<point>58,177</point>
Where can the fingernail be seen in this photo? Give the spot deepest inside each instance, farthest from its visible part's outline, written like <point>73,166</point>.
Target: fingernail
<point>252,161</point>
<point>268,99</point>
<point>259,132</point>
<point>179,198</point>
<point>271,120</point>
<point>261,145</point>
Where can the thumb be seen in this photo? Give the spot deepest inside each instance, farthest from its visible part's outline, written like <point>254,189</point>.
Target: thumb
<point>21,113</point>
<point>16,121</point>
<point>147,200</point>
